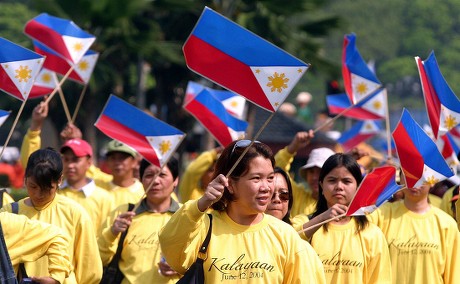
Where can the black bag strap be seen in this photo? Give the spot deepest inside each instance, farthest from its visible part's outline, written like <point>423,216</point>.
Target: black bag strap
<point>15,207</point>
<point>117,256</point>
<point>204,246</point>
<point>22,273</point>
<point>1,196</point>
<point>7,271</point>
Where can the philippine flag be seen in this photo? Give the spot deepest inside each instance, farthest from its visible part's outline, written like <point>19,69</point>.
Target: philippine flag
<point>3,116</point>
<point>84,68</point>
<point>442,105</point>
<point>155,140</point>
<point>421,161</point>
<point>372,107</point>
<point>358,79</point>
<point>61,35</point>
<point>375,189</point>
<point>44,84</point>
<point>241,61</point>
<point>53,61</point>
<point>232,102</point>
<point>359,132</point>
<point>214,117</point>
<point>448,151</point>
<point>19,67</point>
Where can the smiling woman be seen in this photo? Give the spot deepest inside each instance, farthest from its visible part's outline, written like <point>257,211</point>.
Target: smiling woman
<point>266,249</point>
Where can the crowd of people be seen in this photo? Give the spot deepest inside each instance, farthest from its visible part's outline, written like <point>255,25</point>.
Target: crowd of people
<point>267,226</point>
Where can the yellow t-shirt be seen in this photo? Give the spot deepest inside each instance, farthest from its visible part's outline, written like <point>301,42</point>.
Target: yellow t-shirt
<point>303,201</point>
<point>351,257</point>
<point>97,202</point>
<point>28,240</point>
<point>141,250</point>
<point>424,248</point>
<point>6,198</point>
<point>267,252</point>
<point>78,228</point>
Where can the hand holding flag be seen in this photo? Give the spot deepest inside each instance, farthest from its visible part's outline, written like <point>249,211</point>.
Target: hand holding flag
<point>241,61</point>
<point>155,140</point>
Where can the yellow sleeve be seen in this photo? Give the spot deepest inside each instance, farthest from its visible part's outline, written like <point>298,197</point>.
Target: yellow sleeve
<point>27,240</point>
<point>191,177</point>
<point>457,209</point>
<point>108,242</point>
<point>297,223</point>
<point>181,238</point>
<point>6,199</point>
<point>283,159</point>
<point>101,178</point>
<point>87,261</point>
<point>446,204</point>
<point>31,143</point>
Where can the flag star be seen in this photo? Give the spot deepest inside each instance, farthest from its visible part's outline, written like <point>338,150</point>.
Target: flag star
<point>257,71</point>
<point>299,70</point>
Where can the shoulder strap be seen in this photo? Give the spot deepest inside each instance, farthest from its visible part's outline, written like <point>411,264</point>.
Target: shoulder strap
<point>117,256</point>
<point>1,196</point>
<point>204,246</point>
<point>15,207</point>
<point>7,271</point>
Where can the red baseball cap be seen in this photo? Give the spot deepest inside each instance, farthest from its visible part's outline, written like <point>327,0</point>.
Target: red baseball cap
<point>79,147</point>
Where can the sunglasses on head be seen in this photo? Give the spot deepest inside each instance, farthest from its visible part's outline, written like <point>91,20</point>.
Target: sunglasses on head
<point>242,144</point>
<point>282,195</point>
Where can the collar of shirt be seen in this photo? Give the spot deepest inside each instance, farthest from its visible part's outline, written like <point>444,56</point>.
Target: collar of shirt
<point>87,189</point>
<point>145,208</point>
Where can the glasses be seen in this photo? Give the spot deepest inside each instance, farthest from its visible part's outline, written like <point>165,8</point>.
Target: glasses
<point>242,144</point>
<point>282,195</point>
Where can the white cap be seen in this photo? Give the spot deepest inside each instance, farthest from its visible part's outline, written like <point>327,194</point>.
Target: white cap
<point>316,158</point>
<point>303,97</point>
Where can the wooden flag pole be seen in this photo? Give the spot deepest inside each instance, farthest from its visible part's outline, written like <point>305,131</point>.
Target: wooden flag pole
<point>387,122</point>
<point>247,148</point>
<point>59,85</point>
<point>80,99</point>
<point>12,128</point>
<point>64,104</point>
<point>321,223</point>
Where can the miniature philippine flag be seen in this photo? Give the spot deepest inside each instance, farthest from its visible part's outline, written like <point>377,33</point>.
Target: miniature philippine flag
<point>373,107</point>
<point>242,62</point>
<point>232,102</point>
<point>154,139</point>
<point>44,84</point>
<point>19,68</point>
<point>61,35</point>
<point>376,188</point>
<point>442,105</point>
<point>358,78</point>
<point>211,113</point>
<point>359,132</point>
<point>420,159</point>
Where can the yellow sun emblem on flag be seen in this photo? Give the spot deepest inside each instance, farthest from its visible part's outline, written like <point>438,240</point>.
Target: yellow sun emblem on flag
<point>368,126</point>
<point>450,122</point>
<point>165,146</point>
<point>361,88</point>
<point>377,105</point>
<point>234,104</point>
<point>78,47</point>
<point>46,78</point>
<point>277,82</point>
<point>83,65</point>
<point>431,181</point>
<point>23,73</point>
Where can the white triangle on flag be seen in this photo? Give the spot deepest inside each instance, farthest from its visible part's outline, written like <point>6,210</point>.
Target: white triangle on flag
<point>77,47</point>
<point>430,177</point>
<point>448,120</point>
<point>278,81</point>
<point>235,105</point>
<point>362,87</point>
<point>369,127</point>
<point>84,68</point>
<point>365,210</point>
<point>164,146</point>
<point>377,105</point>
<point>46,78</point>
<point>236,134</point>
<point>23,73</point>
<point>3,119</point>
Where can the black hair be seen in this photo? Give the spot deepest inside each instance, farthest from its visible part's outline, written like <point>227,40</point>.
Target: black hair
<point>45,166</point>
<point>228,158</point>
<point>287,217</point>
<point>173,166</point>
<point>335,161</point>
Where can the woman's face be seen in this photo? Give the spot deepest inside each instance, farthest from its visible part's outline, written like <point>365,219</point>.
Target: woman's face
<point>339,186</point>
<point>163,185</point>
<point>279,204</point>
<point>253,190</point>
<point>416,194</point>
<point>40,196</point>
